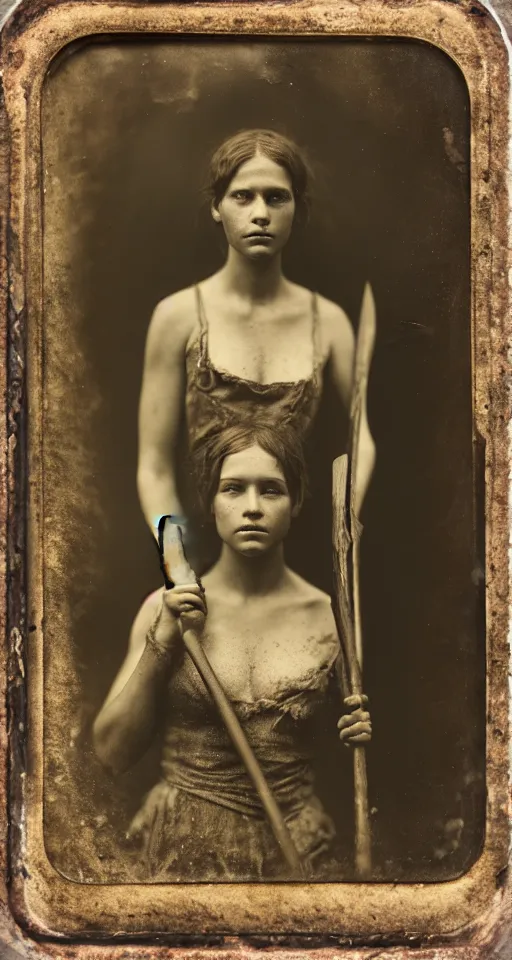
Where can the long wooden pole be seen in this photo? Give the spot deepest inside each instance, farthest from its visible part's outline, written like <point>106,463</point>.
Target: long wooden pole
<point>346,554</point>
<point>277,822</point>
<point>176,569</point>
<point>349,671</point>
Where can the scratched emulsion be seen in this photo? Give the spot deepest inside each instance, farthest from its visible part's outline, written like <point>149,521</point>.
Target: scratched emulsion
<point>127,131</point>
<point>74,517</point>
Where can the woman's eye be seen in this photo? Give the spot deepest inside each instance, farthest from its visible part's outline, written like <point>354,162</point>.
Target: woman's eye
<point>241,195</point>
<point>231,488</point>
<point>278,197</point>
<point>273,492</point>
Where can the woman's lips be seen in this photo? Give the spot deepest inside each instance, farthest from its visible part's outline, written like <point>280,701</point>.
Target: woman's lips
<point>249,529</point>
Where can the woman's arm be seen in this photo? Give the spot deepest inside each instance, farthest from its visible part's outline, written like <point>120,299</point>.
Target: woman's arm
<point>355,726</point>
<point>127,722</point>
<point>161,406</point>
<point>125,725</point>
<point>340,337</point>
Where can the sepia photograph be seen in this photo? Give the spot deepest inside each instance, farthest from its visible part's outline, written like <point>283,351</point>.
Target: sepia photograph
<point>256,478</point>
<point>256,262</point>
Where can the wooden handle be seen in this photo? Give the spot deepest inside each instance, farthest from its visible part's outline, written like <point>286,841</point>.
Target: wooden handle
<point>363,836</point>
<point>232,724</point>
<point>343,557</point>
<point>177,570</point>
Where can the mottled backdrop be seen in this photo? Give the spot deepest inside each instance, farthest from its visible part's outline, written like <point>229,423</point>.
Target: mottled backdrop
<point>127,131</point>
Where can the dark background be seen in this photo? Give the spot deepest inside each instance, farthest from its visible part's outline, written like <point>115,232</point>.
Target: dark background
<point>128,128</point>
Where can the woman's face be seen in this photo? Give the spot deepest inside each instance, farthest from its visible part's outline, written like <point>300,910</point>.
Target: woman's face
<point>257,209</point>
<point>252,506</point>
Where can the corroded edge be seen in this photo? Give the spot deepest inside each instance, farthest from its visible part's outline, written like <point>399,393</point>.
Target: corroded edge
<point>43,900</point>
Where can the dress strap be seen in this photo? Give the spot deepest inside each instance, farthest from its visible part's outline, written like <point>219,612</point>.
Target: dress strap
<point>203,326</point>
<point>315,333</point>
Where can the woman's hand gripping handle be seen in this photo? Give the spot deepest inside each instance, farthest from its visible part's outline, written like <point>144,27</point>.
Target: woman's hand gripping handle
<point>355,727</point>
<point>185,598</point>
<point>183,606</point>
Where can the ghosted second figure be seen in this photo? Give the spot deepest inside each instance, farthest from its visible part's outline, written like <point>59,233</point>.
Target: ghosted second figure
<point>245,342</point>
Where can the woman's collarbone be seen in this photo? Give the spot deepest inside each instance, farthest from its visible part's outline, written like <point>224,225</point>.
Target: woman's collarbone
<point>263,362</point>
<point>259,348</point>
<point>255,667</point>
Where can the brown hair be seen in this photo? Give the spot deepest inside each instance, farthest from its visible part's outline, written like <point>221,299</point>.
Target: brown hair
<point>280,442</point>
<point>243,146</point>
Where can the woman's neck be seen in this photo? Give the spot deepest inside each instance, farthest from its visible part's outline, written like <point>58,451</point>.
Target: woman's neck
<point>250,576</point>
<point>258,279</point>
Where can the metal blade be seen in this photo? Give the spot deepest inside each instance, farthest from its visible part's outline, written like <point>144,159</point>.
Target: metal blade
<point>176,566</point>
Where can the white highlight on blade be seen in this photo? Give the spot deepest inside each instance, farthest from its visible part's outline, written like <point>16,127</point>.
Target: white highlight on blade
<point>176,564</point>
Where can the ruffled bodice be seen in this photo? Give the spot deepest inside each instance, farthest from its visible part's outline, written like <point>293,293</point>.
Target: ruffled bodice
<point>215,398</point>
<point>206,798</point>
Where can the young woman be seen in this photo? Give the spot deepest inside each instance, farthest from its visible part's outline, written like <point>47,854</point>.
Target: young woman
<point>246,341</point>
<point>271,639</point>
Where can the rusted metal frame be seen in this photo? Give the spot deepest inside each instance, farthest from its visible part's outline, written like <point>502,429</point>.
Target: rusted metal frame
<point>491,403</point>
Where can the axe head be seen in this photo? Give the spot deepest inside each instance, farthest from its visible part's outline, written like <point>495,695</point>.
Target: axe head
<point>173,561</point>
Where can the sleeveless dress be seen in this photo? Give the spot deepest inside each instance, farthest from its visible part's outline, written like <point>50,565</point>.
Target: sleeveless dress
<point>215,398</point>
<point>204,820</point>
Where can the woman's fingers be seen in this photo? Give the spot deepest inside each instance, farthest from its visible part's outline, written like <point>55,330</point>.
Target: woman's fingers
<point>349,719</point>
<point>357,738</point>
<point>185,599</point>
<point>184,593</point>
<point>187,603</point>
<point>189,600</point>
<point>355,727</point>
<point>355,700</point>
<point>186,588</point>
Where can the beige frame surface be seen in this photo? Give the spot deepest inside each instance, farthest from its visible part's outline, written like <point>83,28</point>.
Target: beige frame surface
<point>466,913</point>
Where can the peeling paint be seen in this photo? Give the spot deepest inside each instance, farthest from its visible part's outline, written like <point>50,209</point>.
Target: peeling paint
<point>454,155</point>
<point>42,904</point>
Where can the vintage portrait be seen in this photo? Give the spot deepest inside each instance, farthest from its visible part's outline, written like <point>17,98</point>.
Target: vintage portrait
<point>257,517</point>
<point>218,249</point>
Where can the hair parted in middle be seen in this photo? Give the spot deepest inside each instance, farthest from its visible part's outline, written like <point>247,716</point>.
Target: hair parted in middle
<point>280,442</point>
<point>243,146</point>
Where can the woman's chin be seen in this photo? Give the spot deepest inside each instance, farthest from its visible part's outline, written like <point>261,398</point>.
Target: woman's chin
<point>260,253</point>
<point>254,549</point>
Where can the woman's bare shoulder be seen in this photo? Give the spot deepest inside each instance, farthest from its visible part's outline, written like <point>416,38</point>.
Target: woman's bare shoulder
<point>174,317</point>
<point>309,595</point>
<point>334,321</point>
<point>316,615</point>
<point>145,617</point>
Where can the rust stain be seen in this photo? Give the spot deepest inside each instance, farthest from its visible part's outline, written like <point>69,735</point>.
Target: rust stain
<point>36,901</point>
<point>454,155</point>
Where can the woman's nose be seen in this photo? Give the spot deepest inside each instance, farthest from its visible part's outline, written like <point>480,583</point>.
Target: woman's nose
<point>253,503</point>
<point>259,212</point>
